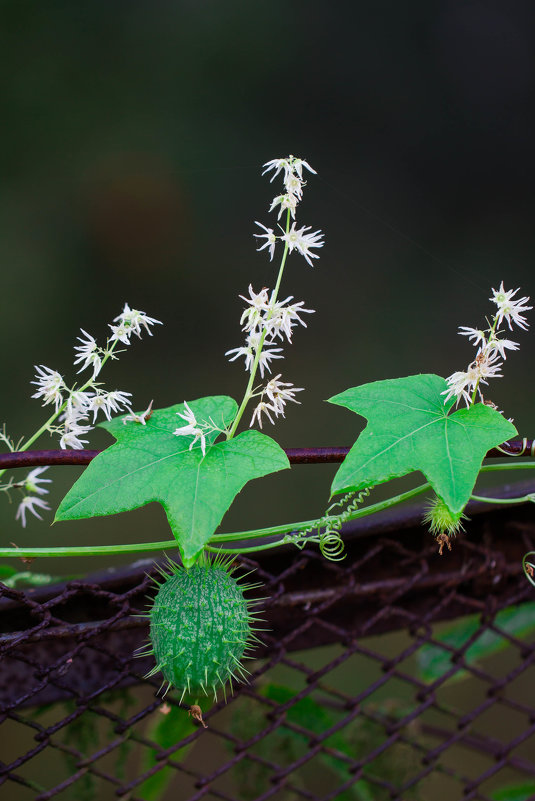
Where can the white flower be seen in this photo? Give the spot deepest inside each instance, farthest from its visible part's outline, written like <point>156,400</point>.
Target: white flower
<point>193,428</point>
<point>75,412</point>
<point>139,418</point>
<point>107,402</point>
<point>120,332</point>
<point>70,436</point>
<point>70,440</point>
<point>298,164</point>
<point>474,334</point>
<point>249,351</point>
<point>31,484</point>
<point>293,185</point>
<point>285,202</point>
<point>462,384</point>
<point>277,165</point>
<point>117,399</point>
<point>77,404</point>
<point>509,309</point>
<point>134,319</point>
<point>263,408</point>
<point>279,393</point>
<point>284,318</point>
<point>28,504</point>
<point>99,402</point>
<point>50,385</point>
<point>88,353</point>
<point>289,165</point>
<point>501,345</point>
<point>258,304</point>
<point>265,358</point>
<point>298,240</point>
<point>270,237</point>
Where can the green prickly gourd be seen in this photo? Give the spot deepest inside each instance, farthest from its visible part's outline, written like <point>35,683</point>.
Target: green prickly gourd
<point>199,627</point>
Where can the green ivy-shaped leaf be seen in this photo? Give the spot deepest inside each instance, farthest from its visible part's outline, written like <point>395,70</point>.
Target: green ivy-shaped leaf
<point>148,463</point>
<point>411,428</point>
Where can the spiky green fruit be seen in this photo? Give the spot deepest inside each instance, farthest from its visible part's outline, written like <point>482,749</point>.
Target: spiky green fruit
<point>442,520</point>
<point>200,627</point>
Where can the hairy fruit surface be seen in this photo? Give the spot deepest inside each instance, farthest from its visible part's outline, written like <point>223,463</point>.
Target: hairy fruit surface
<point>200,627</point>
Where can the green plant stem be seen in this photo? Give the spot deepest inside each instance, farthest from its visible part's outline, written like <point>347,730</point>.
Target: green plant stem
<point>487,499</point>
<point>287,528</point>
<point>509,465</point>
<point>250,384</point>
<point>252,549</point>
<point>98,550</point>
<point>88,550</point>
<point>491,334</point>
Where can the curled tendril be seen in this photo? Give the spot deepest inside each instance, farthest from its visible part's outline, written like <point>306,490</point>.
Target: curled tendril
<point>529,567</point>
<point>328,527</point>
<point>332,545</point>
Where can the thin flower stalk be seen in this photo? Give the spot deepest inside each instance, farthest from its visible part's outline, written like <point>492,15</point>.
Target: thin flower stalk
<point>251,383</point>
<point>266,319</point>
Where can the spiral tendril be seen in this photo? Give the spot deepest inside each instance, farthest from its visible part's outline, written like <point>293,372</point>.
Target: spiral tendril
<point>331,545</point>
<point>328,527</point>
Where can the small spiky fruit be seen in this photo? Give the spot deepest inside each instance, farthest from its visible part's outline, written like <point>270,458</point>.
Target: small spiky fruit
<point>442,520</point>
<point>200,626</point>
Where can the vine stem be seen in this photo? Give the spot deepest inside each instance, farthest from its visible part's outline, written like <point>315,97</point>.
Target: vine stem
<point>250,384</point>
<point>88,550</point>
<point>238,536</point>
<point>272,531</point>
<point>486,499</point>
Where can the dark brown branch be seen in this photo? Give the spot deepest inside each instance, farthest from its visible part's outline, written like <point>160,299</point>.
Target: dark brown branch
<point>512,448</point>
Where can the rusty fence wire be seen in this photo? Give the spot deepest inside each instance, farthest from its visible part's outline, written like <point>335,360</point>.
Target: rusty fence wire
<point>393,674</point>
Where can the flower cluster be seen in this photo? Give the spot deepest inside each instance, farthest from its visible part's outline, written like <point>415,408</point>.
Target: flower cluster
<point>294,238</point>
<point>492,347</point>
<point>277,393</point>
<point>76,408</point>
<point>265,319</point>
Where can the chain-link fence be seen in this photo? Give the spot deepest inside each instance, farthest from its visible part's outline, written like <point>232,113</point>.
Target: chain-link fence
<point>393,674</point>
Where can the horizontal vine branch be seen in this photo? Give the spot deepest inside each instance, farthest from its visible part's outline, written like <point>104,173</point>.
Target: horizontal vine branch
<point>514,447</point>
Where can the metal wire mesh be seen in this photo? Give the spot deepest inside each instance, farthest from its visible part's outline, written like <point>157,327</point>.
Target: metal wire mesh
<point>357,693</point>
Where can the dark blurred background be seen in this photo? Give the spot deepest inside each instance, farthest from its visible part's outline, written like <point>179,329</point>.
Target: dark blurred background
<point>132,141</point>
